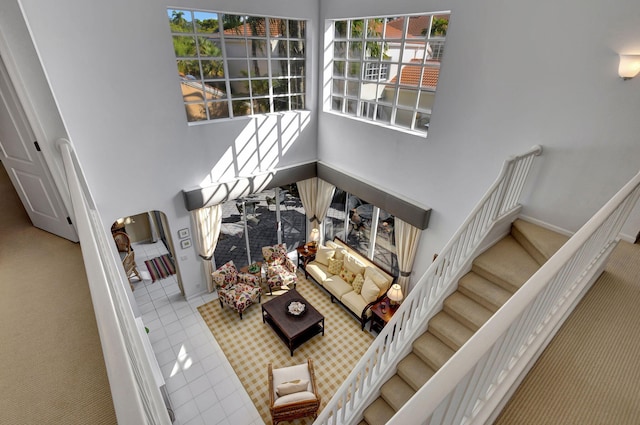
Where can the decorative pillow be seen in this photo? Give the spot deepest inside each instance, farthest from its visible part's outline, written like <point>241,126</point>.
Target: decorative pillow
<point>346,275</point>
<point>353,265</point>
<point>357,283</point>
<point>377,278</point>
<point>369,291</point>
<point>334,266</point>
<point>324,254</point>
<point>340,253</point>
<point>292,387</point>
<point>226,275</point>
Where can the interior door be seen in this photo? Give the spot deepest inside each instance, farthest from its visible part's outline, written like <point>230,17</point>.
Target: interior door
<point>25,166</point>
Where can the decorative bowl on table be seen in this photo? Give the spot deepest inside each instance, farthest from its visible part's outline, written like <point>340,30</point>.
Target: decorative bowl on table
<point>253,268</point>
<point>296,308</point>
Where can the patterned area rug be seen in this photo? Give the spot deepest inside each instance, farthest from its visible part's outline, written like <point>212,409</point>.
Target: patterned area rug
<point>251,345</point>
<point>160,267</point>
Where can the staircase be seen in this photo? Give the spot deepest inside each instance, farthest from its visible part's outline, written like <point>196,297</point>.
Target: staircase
<point>495,275</point>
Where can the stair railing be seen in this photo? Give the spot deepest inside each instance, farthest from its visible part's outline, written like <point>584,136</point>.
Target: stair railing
<point>136,397</point>
<point>478,379</point>
<point>426,298</point>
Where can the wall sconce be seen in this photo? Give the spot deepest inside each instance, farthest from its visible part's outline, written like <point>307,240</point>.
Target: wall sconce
<point>629,66</point>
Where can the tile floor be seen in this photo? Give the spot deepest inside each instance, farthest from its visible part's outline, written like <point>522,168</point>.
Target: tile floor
<point>202,386</point>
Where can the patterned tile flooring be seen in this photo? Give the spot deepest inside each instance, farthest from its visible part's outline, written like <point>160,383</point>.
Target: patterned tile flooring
<point>202,386</point>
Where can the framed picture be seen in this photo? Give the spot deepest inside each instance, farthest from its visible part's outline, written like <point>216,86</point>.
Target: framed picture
<point>183,233</point>
<point>185,243</point>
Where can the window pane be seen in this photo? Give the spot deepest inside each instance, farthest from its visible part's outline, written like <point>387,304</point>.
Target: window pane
<point>213,69</point>
<point>297,68</point>
<point>338,87</point>
<point>296,49</point>
<point>410,75</point>
<point>184,45</point>
<point>297,85</point>
<point>430,77</point>
<point>238,68</point>
<point>259,87</point>
<point>233,25</point>
<point>280,104</point>
<point>180,20</point>
<point>353,69</point>
<point>374,28</point>
<point>352,107</point>
<point>261,106</point>
<point>240,88</point>
<point>241,107</point>
<point>216,89</point>
<point>422,121</point>
<point>404,118</point>
<point>334,222</point>
<point>338,68</point>
<point>218,110</point>
<point>383,114</point>
<point>209,47</point>
<point>384,252</point>
<point>357,28</point>
<point>407,97</point>
<point>297,29</point>
<point>257,48</point>
<point>259,68</point>
<point>280,86</point>
<point>189,70</point>
<point>279,68</point>
<point>341,29</point>
<point>353,88</point>
<point>298,102</point>
<point>355,49</point>
<point>256,26</point>
<point>195,112</point>
<point>206,22</point>
<point>236,47</point>
<point>340,49</point>
<point>336,103</point>
<point>359,230</point>
<point>278,27</point>
<point>293,218</point>
<point>231,243</point>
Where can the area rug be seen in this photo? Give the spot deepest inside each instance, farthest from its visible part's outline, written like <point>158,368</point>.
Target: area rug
<point>160,267</point>
<point>251,345</point>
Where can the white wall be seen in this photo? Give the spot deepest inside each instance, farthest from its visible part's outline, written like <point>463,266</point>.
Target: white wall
<point>514,74</point>
<point>112,72</point>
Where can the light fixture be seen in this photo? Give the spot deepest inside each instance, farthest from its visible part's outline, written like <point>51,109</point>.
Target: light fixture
<point>314,236</point>
<point>629,66</point>
<point>395,295</point>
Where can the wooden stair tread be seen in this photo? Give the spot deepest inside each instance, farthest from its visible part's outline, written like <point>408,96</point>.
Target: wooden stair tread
<point>506,263</point>
<point>449,330</point>
<point>414,371</point>
<point>431,350</point>
<point>378,412</point>
<point>396,392</point>
<point>483,291</point>
<point>466,311</point>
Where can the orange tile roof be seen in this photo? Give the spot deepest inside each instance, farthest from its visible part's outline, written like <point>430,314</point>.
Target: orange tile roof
<point>410,75</point>
<point>417,24</point>
<point>245,30</point>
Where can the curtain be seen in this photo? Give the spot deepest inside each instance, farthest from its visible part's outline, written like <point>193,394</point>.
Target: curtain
<point>316,195</point>
<point>407,238</point>
<point>208,221</point>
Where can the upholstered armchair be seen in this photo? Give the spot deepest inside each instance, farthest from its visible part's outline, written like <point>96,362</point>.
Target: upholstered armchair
<point>237,290</point>
<point>281,270</point>
<point>293,392</point>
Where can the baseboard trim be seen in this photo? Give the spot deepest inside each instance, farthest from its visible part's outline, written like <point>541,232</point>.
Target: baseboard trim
<point>547,225</point>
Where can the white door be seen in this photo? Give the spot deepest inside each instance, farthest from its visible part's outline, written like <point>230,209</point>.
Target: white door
<point>26,168</point>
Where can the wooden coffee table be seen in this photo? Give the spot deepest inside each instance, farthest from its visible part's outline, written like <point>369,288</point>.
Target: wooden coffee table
<point>292,330</point>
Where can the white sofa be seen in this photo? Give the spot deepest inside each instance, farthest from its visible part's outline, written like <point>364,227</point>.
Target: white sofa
<point>351,279</point>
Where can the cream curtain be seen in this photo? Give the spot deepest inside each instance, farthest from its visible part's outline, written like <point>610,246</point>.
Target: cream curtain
<point>407,238</point>
<point>207,221</point>
<point>316,195</point>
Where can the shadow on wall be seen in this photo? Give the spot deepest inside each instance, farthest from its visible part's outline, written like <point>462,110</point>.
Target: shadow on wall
<point>259,147</point>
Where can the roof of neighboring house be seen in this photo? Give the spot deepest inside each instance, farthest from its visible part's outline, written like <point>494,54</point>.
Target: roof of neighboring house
<point>410,75</point>
<point>274,29</point>
<point>417,24</point>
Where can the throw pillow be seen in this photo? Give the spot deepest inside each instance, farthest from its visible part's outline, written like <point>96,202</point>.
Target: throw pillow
<point>226,274</point>
<point>357,283</point>
<point>340,253</point>
<point>292,387</point>
<point>347,275</point>
<point>369,291</point>
<point>324,254</point>
<point>353,265</point>
<point>334,266</point>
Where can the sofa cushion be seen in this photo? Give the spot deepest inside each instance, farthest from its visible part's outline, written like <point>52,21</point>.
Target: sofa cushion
<point>324,254</point>
<point>353,265</point>
<point>340,251</point>
<point>375,275</point>
<point>318,271</point>
<point>334,266</point>
<point>370,291</point>
<point>357,283</point>
<point>291,387</point>
<point>347,275</point>
<point>337,287</point>
<point>292,398</point>
<point>355,303</point>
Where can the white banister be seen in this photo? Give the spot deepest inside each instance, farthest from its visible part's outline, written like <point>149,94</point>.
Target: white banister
<point>424,301</point>
<point>475,381</point>
<point>136,396</point>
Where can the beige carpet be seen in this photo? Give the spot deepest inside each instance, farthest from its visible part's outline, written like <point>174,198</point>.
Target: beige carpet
<point>250,345</point>
<point>590,374</point>
<point>52,369</point>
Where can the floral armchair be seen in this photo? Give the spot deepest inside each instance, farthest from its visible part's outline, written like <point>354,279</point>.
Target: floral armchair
<point>237,290</point>
<point>281,270</point>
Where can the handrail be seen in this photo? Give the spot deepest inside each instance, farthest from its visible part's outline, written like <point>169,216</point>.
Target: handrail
<point>474,380</point>
<point>410,320</point>
<point>136,398</point>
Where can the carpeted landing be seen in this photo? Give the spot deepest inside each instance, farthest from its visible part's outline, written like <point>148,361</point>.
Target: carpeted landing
<point>251,345</point>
